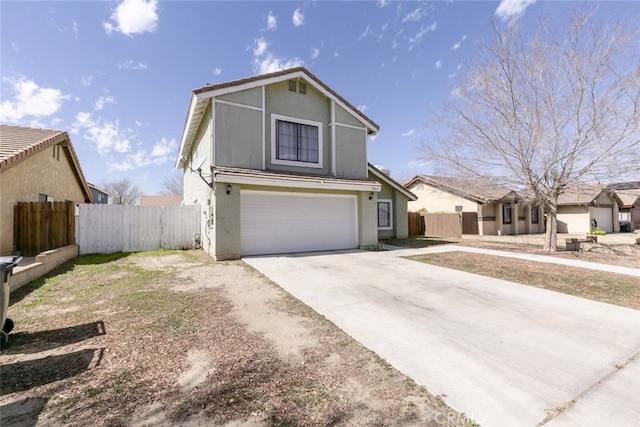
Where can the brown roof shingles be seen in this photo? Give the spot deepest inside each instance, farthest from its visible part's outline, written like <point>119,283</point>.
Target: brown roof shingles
<point>18,143</point>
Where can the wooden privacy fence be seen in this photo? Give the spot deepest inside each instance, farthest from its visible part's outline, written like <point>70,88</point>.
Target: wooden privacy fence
<point>41,226</point>
<point>435,224</point>
<point>125,228</point>
<point>416,224</point>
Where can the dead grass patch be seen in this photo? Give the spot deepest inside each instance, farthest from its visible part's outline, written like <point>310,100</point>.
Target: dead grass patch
<point>600,286</point>
<point>174,338</point>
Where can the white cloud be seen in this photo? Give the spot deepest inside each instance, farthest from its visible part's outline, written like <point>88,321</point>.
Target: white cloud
<point>15,47</point>
<point>86,80</point>
<point>133,17</point>
<point>457,45</point>
<point>383,3</point>
<point>162,152</point>
<point>364,34</point>
<point>217,71</point>
<point>100,102</point>
<point>272,22</point>
<point>512,9</point>
<point>315,52</point>
<point>298,18</point>
<point>30,100</point>
<point>107,136</point>
<point>265,62</point>
<point>261,47</point>
<point>75,29</point>
<point>131,65</point>
<point>439,64</point>
<point>421,33</point>
<point>408,133</point>
<point>413,16</point>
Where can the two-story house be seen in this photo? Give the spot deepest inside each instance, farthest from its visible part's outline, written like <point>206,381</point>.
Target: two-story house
<point>278,163</point>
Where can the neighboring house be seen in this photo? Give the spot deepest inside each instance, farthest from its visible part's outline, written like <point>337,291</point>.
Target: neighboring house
<point>580,205</point>
<point>392,205</point>
<point>98,195</point>
<point>160,200</point>
<point>278,163</point>
<point>486,209</point>
<point>629,193</point>
<point>36,165</point>
<point>630,210</point>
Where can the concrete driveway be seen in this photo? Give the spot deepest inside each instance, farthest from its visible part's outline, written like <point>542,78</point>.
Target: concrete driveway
<point>502,353</point>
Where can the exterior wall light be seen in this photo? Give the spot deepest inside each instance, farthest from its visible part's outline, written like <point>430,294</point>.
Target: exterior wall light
<point>371,196</point>
<point>228,188</point>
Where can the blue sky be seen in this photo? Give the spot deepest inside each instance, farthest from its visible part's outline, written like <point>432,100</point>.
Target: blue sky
<point>117,75</point>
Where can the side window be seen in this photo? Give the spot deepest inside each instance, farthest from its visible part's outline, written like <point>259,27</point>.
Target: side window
<point>385,215</point>
<point>506,214</point>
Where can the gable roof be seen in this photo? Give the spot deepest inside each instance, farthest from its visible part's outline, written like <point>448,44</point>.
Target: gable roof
<point>200,100</point>
<point>390,181</point>
<point>585,194</point>
<point>629,198</point>
<point>629,185</point>
<point>18,143</point>
<point>466,188</point>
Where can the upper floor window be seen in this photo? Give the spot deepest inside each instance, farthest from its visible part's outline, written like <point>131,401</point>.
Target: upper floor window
<point>296,142</point>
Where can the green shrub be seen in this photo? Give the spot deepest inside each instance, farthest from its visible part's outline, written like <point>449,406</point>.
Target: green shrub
<point>598,232</point>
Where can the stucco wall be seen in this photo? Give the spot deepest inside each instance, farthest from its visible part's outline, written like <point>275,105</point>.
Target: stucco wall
<point>434,200</point>
<point>196,191</point>
<point>38,174</point>
<point>399,215</point>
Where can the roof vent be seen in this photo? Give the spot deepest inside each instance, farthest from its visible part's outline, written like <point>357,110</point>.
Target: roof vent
<point>296,85</point>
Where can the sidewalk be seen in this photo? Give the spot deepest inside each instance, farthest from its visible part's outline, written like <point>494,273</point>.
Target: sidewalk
<point>401,252</point>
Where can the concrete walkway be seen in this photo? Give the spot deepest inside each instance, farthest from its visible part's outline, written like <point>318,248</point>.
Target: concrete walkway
<point>504,354</point>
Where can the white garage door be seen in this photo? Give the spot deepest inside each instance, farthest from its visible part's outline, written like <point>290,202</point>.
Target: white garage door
<point>604,218</point>
<point>273,222</point>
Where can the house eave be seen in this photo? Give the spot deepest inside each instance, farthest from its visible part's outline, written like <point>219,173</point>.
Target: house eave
<point>293,181</point>
<point>381,175</point>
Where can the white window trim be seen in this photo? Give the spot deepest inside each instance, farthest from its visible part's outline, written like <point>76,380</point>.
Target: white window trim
<point>276,161</point>
<point>390,227</point>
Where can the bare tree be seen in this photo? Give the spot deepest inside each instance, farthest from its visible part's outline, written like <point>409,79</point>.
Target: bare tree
<point>173,186</point>
<point>122,192</point>
<point>547,111</point>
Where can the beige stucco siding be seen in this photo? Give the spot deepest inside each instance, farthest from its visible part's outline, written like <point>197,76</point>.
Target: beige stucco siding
<point>434,200</point>
<point>38,174</point>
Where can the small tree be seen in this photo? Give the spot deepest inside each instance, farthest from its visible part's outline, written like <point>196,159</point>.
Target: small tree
<point>545,112</point>
<point>173,186</point>
<point>122,192</point>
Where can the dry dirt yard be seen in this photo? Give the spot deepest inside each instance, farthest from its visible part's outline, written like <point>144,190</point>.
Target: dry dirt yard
<point>174,338</point>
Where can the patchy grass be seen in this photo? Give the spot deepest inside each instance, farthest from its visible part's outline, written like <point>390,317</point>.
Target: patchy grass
<point>600,286</point>
<point>108,340</point>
